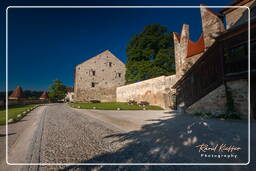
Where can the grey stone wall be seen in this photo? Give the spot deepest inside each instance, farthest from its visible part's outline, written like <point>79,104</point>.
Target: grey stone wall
<point>98,77</point>
<point>215,101</point>
<point>239,91</point>
<point>156,91</point>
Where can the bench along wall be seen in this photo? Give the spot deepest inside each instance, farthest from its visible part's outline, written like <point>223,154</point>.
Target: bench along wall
<point>156,91</point>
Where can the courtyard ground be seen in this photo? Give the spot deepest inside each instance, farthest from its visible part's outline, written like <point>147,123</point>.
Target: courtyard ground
<point>57,133</point>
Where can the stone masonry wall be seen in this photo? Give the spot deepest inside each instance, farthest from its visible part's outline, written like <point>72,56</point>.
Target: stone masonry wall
<point>214,102</point>
<point>238,15</point>
<point>239,91</point>
<point>156,91</point>
<point>98,77</point>
<point>217,99</point>
<point>212,25</point>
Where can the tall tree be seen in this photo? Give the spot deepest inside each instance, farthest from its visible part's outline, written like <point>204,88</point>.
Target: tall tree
<point>57,90</point>
<point>150,54</point>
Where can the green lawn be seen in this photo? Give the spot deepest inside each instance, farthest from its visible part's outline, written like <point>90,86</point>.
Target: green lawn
<point>112,106</point>
<point>14,111</point>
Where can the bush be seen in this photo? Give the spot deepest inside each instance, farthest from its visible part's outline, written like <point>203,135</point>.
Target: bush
<point>95,101</point>
<point>143,103</point>
<point>132,102</point>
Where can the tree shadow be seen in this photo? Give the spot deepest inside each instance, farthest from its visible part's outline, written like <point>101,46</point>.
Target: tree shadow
<point>174,140</point>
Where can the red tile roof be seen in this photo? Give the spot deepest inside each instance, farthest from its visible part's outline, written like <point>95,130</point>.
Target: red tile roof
<point>44,95</point>
<point>195,47</point>
<point>17,93</point>
<point>70,89</point>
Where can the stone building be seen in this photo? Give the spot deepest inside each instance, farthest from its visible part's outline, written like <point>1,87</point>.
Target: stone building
<point>69,95</point>
<point>211,73</point>
<point>17,94</point>
<point>98,78</point>
<point>188,52</point>
<point>217,81</point>
<point>159,91</point>
<point>44,96</point>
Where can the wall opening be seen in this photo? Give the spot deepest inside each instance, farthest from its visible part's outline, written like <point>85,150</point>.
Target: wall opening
<point>93,84</point>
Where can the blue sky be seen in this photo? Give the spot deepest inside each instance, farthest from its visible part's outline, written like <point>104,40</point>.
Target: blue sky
<point>46,44</point>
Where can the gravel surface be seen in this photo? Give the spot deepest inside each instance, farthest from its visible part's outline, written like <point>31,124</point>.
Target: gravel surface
<point>70,137</point>
<point>57,133</point>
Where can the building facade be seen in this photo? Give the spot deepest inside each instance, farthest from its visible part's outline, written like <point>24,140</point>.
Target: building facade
<point>98,78</point>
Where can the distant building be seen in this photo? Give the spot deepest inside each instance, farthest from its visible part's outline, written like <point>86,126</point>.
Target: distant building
<point>98,78</point>
<point>16,94</point>
<point>44,96</point>
<point>70,94</point>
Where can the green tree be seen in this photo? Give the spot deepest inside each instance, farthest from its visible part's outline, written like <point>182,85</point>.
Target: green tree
<point>57,90</point>
<point>150,54</point>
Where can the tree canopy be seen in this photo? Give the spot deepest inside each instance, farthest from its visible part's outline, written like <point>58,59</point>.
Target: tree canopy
<point>150,54</point>
<point>57,91</point>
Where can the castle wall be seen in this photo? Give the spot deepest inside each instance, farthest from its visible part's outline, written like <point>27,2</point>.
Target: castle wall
<point>215,101</point>
<point>212,25</point>
<point>239,91</point>
<point>239,15</point>
<point>98,77</point>
<point>156,91</point>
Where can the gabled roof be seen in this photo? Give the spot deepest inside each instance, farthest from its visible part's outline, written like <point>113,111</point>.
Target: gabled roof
<point>70,89</point>
<point>105,51</point>
<point>17,93</point>
<point>44,95</point>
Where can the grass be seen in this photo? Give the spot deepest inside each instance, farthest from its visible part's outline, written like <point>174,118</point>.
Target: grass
<point>14,111</point>
<point>113,106</point>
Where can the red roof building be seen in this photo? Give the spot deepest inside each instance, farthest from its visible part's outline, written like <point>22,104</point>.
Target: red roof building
<point>16,94</point>
<point>44,96</point>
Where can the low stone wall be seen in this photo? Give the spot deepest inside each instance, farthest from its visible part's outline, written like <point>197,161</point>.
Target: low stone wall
<point>156,91</point>
<point>215,101</point>
<point>239,91</point>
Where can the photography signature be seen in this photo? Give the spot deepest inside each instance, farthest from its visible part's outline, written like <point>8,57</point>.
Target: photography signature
<point>216,148</point>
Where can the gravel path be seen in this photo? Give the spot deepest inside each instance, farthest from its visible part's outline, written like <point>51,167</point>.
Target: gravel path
<point>57,133</point>
<point>70,136</point>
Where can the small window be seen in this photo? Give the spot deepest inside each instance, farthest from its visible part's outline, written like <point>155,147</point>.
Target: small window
<point>110,64</point>
<point>93,73</point>
<point>119,75</point>
<point>93,84</point>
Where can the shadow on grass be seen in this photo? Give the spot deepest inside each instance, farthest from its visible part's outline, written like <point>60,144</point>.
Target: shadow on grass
<point>173,140</point>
